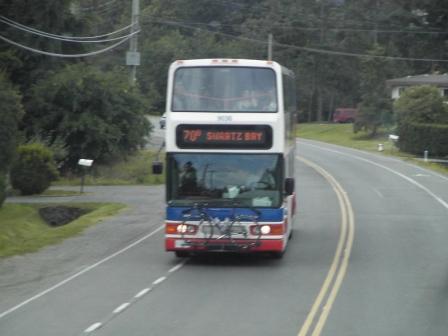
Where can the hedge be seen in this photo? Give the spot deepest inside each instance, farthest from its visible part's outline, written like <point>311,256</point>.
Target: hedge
<point>415,138</point>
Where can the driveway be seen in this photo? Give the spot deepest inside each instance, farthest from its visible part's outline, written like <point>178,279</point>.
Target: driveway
<point>22,276</point>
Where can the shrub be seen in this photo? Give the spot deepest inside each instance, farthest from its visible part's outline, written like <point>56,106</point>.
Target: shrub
<point>33,170</point>
<point>422,121</point>
<point>421,104</point>
<point>415,138</point>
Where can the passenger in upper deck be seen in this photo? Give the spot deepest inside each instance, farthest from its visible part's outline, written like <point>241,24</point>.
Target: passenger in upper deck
<point>265,100</point>
<point>179,99</point>
<point>247,102</point>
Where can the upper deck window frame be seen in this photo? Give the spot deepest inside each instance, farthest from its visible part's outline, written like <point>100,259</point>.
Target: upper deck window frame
<point>276,86</point>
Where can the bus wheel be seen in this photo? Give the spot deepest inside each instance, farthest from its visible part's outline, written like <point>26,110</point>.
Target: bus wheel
<point>181,254</point>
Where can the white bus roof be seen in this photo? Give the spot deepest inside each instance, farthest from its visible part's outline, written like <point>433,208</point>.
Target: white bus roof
<point>225,61</point>
<point>231,62</point>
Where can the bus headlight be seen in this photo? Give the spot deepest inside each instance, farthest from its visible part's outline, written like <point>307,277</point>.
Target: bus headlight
<point>186,229</point>
<point>265,229</point>
<point>182,228</point>
<point>272,229</point>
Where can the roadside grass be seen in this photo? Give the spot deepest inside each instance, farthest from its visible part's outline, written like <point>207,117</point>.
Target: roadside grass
<point>47,193</point>
<point>59,193</point>
<point>136,169</point>
<point>22,230</point>
<point>342,134</point>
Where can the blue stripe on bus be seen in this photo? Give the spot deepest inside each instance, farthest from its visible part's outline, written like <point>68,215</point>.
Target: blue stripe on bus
<point>265,214</point>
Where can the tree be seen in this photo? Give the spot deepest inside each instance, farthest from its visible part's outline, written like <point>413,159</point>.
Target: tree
<point>97,114</point>
<point>48,16</point>
<point>375,108</point>
<point>11,111</point>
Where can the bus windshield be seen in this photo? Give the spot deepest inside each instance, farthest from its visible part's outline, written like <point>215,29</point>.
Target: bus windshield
<point>224,89</point>
<point>225,180</point>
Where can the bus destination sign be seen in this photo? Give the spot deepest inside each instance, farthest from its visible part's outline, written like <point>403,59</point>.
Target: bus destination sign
<point>224,136</point>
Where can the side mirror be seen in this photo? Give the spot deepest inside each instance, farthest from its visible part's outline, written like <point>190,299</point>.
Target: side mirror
<point>157,168</point>
<point>289,186</point>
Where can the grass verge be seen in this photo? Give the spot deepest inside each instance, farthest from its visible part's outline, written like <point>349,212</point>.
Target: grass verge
<point>47,193</point>
<point>59,193</point>
<point>342,134</point>
<point>136,169</point>
<point>22,230</point>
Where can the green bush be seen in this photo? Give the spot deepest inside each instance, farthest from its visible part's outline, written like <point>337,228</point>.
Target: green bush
<point>421,104</point>
<point>2,189</point>
<point>33,170</point>
<point>415,138</point>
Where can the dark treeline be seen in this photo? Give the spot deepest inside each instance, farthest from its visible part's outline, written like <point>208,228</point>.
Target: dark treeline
<point>321,40</point>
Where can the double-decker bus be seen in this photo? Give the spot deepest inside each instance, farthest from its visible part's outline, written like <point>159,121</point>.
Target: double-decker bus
<point>229,156</point>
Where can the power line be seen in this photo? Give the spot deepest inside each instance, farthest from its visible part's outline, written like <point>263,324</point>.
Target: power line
<point>42,33</point>
<point>64,55</point>
<point>307,49</point>
<point>69,39</point>
<point>417,32</point>
<point>291,27</point>
<point>103,5</point>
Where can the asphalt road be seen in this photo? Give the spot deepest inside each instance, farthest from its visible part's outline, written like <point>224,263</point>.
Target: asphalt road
<point>368,257</point>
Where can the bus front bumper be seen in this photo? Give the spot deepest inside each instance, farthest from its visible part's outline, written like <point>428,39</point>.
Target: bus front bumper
<point>224,245</point>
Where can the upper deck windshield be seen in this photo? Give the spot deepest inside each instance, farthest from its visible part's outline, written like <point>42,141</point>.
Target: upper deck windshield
<point>225,180</point>
<point>224,89</point>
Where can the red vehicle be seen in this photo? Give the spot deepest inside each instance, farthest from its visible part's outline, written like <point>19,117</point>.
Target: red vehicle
<point>344,115</point>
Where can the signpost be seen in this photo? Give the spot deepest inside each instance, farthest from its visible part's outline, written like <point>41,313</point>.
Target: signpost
<point>84,163</point>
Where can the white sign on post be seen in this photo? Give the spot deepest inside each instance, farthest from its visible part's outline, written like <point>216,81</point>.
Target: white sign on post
<point>85,162</point>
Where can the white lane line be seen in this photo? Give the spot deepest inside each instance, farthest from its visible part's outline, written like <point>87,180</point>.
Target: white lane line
<point>410,180</point>
<point>142,292</point>
<point>93,327</point>
<point>422,175</point>
<point>176,268</point>
<point>119,309</point>
<point>74,276</point>
<point>136,297</point>
<point>159,280</point>
<point>378,192</point>
<point>431,173</point>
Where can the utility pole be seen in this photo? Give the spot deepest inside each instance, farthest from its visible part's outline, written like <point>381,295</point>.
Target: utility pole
<point>375,32</point>
<point>133,56</point>
<point>270,47</point>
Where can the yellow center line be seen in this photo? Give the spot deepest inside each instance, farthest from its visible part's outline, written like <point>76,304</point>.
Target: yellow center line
<point>339,265</point>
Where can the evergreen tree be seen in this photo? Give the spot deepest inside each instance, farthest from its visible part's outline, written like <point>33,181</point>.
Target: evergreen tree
<point>10,113</point>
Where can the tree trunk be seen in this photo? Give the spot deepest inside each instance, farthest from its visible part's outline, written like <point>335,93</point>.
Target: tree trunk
<point>331,107</point>
<point>320,104</point>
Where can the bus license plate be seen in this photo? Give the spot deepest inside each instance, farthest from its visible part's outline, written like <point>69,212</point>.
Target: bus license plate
<point>236,230</point>
<point>181,243</point>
